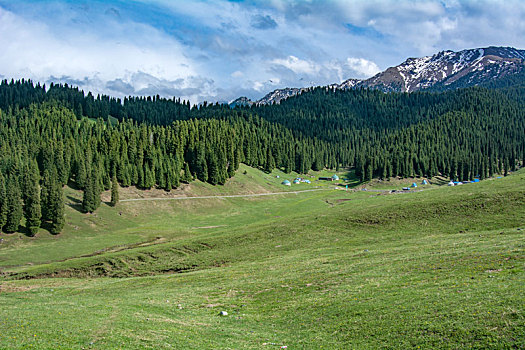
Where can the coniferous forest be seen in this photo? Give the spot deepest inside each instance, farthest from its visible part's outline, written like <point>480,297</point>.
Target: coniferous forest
<point>58,135</point>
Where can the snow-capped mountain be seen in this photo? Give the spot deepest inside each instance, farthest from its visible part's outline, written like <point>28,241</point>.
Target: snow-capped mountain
<point>447,68</point>
<point>347,84</point>
<point>442,71</point>
<point>280,94</point>
<point>273,97</point>
<point>241,101</point>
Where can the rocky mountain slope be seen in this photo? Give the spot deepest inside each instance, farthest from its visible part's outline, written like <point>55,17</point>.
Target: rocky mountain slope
<point>442,71</point>
<point>446,68</point>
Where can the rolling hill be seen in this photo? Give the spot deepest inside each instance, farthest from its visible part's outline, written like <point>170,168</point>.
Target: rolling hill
<point>438,268</point>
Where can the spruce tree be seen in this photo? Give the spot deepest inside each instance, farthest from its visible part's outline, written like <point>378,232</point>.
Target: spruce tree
<point>88,197</point>
<point>56,210</point>
<point>44,195</point>
<point>97,188</point>
<point>270,162</point>
<point>32,208</point>
<point>175,171</point>
<point>81,174</point>
<point>213,170</point>
<point>187,174</point>
<point>202,165</point>
<point>91,195</point>
<point>3,202</point>
<point>114,192</point>
<point>14,205</point>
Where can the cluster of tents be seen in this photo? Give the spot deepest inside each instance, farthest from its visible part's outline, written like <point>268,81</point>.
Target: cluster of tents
<point>298,180</point>
<point>457,183</point>
<point>451,183</point>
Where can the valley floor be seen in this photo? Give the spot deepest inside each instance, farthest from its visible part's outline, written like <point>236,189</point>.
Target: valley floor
<point>440,268</point>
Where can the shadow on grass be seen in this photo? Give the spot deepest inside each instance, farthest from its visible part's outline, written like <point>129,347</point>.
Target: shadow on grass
<point>351,179</point>
<point>25,231</point>
<point>75,203</point>
<point>47,226</point>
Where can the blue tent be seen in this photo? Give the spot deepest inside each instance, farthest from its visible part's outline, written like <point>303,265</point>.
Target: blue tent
<point>476,180</point>
<point>425,182</point>
<point>296,182</point>
<point>414,184</point>
<point>286,183</point>
<point>335,177</point>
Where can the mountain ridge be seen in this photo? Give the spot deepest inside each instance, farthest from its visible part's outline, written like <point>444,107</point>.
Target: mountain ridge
<point>442,71</point>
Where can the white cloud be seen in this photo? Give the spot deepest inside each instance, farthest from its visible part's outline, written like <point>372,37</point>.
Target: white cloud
<point>209,49</point>
<point>362,67</point>
<point>297,65</point>
<point>237,74</point>
<point>258,86</point>
<point>30,49</point>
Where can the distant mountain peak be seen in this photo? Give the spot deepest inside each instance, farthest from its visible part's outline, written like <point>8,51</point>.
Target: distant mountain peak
<point>280,94</point>
<point>447,67</point>
<point>241,101</point>
<point>444,70</point>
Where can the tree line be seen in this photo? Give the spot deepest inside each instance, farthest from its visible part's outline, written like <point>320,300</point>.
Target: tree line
<point>45,146</point>
<point>50,137</point>
<point>459,134</point>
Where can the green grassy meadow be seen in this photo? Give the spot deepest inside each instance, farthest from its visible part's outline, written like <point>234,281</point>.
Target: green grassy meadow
<point>327,269</point>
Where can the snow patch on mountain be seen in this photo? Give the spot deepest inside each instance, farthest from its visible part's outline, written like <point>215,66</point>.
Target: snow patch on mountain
<point>470,67</point>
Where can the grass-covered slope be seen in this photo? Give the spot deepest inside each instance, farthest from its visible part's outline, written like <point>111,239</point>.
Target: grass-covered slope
<point>440,268</point>
<point>133,223</point>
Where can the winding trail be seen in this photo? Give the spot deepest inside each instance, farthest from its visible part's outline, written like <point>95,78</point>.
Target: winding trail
<point>218,196</point>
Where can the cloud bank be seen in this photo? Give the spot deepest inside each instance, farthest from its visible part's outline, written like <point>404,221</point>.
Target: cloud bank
<point>217,50</point>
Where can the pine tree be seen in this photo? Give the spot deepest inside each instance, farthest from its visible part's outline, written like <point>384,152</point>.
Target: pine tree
<point>114,192</point>
<point>14,205</point>
<point>32,208</point>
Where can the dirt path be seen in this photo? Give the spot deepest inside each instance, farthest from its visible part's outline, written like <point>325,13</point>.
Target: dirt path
<point>219,196</point>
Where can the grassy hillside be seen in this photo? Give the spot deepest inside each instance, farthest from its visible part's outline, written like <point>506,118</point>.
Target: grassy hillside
<point>145,223</point>
<point>440,268</point>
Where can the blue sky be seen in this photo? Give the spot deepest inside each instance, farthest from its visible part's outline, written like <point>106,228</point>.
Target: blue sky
<point>218,50</point>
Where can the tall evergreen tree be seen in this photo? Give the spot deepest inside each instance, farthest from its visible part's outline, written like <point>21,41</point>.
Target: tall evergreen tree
<point>32,208</point>
<point>187,174</point>
<point>56,210</point>
<point>213,169</point>
<point>14,205</point>
<point>3,201</point>
<point>45,190</point>
<point>114,192</point>
<point>91,195</point>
